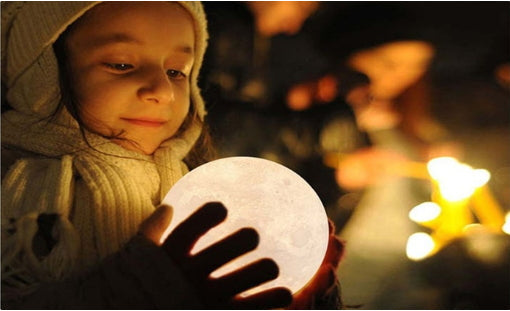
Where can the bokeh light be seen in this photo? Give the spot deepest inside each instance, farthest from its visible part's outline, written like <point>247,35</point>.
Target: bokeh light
<point>419,246</point>
<point>457,181</point>
<point>425,212</point>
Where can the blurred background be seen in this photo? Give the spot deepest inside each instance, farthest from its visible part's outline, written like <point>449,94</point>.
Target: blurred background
<point>398,115</point>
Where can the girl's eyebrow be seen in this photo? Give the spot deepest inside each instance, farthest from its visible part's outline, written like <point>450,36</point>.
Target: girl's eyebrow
<point>185,49</point>
<point>125,38</point>
<point>112,39</point>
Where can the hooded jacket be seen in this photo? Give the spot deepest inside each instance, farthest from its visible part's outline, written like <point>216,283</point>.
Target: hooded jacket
<point>93,194</point>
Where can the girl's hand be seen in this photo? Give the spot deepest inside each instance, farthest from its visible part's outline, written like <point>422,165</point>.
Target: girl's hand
<point>322,292</point>
<point>219,292</point>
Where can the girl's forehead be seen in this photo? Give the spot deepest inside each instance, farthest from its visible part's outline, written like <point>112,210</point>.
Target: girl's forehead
<point>134,14</point>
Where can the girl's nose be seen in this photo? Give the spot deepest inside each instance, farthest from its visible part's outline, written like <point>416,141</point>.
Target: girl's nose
<point>157,88</point>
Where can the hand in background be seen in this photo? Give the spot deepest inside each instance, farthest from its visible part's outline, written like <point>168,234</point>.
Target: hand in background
<point>322,291</point>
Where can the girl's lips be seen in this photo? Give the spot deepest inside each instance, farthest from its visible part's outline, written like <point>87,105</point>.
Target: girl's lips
<point>145,122</point>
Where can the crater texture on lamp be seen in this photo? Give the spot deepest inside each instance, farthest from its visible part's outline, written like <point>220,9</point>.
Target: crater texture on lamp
<point>277,202</point>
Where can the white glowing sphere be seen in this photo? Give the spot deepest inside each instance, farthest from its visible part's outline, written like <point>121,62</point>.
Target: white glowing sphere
<point>278,203</point>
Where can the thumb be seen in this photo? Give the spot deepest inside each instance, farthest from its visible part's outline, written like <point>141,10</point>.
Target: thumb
<point>155,225</point>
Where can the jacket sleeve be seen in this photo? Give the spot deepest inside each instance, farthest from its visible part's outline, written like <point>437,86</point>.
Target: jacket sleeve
<point>139,276</point>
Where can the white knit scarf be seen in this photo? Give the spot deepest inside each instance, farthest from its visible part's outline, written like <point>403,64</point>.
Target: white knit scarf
<point>101,193</point>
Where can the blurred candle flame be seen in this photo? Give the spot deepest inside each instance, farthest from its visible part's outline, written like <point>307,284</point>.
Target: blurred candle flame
<point>459,192</point>
<point>457,181</point>
<point>506,226</point>
<point>425,212</point>
<point>419,246</point>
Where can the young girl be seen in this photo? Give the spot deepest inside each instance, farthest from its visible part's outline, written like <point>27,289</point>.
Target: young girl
<point>105,116</point>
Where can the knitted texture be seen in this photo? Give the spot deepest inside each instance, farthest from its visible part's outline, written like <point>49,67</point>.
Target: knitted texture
<point>100,194</point>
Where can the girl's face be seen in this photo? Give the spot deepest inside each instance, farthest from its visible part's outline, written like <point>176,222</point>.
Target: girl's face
<point>130,65</point>
<point>393,67</point>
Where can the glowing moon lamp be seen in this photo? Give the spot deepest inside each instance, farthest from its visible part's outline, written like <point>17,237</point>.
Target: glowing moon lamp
<point>278,203</point>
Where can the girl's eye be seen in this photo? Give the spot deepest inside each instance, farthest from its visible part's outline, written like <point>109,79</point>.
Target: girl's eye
<point>175,74</point>
<point>119,67</point>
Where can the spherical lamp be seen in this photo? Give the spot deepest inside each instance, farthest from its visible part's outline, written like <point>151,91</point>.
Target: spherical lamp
<point>278,203</point>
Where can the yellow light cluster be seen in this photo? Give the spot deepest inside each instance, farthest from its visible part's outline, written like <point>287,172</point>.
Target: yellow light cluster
<point>457,181</point>
<point>459,192</point>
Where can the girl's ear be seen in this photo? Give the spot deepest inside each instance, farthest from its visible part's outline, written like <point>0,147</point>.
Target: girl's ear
<point>153,227</point>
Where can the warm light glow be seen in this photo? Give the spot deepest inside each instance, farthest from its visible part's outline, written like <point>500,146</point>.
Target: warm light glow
<point>424,212</point>
<point>457,181</point>
<point>438,167</point>
<point>419,246</point>
<point>506,226</point>
<point>481,177</point>
<point>278,203</point>
<point>473,228</point>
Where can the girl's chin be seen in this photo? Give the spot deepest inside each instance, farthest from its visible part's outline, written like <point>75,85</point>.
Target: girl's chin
<point>136,147</point>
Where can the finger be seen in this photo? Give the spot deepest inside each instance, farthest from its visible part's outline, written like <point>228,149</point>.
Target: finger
<point>274,298</point>
<point>334,252</point>
<point>246,277</point>
<point>185,235</point>
<point>331,226</point>
<point>321,282</point>
<point>220,253</point>
<point>155,225</point>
